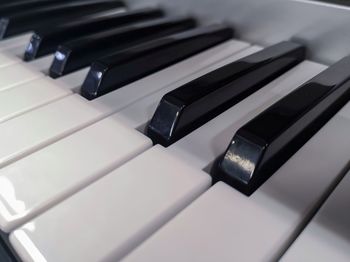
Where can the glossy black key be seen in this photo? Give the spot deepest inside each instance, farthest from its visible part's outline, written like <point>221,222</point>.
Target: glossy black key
<point>195,103</point>
<point>34,19</point>
<point>7,254</point>
<point>82,52</point>
<point>23,6</point>
<point>265,143</point>
<point>45,41</point>
<point>112,72</point>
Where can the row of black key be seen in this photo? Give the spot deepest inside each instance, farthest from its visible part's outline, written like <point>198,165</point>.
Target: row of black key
<point>120,46</point>
<point>97,35</point>
<point>115,64</point>
<point>20,22</point>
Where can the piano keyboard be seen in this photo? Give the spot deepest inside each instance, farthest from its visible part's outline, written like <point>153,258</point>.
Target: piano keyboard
<point>140,134</point>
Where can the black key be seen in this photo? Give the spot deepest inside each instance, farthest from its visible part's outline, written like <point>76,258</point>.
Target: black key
<point>23,6</point>
<point>188,107</point>
<point>45,41</point>
<point>31,20</point>
<point>265,143</point>
<point>113,72</point>
<point>7,254</point>
<point>81,52</point>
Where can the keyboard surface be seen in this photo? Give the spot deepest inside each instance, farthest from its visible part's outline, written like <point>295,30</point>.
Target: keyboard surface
<point>141,132</point>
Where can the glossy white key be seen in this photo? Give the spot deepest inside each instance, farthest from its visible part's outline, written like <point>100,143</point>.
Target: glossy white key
<point>326,237</point>
<point>44,178</point>
<point>219,132</point>
<point>56,120</point>
<point>28,132</point>
<point>110,217</point>
<point>41,65</point>
<point>17,41</point>
<point>72,81</point>
<point>28,96</point>
<point>7,59</point>
<point>139,113</point>
<point>259,227</point>
<point>17,74</point>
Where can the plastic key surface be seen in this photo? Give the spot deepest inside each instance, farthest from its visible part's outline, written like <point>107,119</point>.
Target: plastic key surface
<point>114,71</point>
<point>50,175</point>
<point>27,21</point>
<point>261,146</point>
<point>130,204</point>
<point>189,106</point>
<point>46,40</point>
<point>81,52</point>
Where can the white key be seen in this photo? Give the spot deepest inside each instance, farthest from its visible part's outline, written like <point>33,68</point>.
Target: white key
<point>28,96</point>
<point>7,59</point>
<point>219,132</point>
<point>110,217</point>
<point>326,238</point>
<point>139,113</point>
<point>17,74</point>
<point>73,81</point>
<point>17,41</point>
<point>41,64</point>
<point>235,227</point>
<point>42,179</point>
<point>28,132</point>
<point>56,120</point>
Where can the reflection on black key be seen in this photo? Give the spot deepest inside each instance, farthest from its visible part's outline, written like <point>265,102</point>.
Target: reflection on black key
<point>261,146</point>
<point>12,7</point>
<point>27,21</point>
<point>45,41</point>
<point>114,71</point>
<point>81,52</point>
<point>195,103</point>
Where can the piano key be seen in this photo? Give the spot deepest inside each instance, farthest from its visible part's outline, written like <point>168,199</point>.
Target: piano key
<point>76,162</point>
<point>326,237</point>
<point>62,172</point>
<point>16,41</point>
<point>40,68</point>
<point>81,52</point>
<point>17,74</point>
<point>261,146</point>
<point>138,114</point>
<point>27,21</point>
<point>28,96</point>
<point>14,7</point>
<point>133,201</point>
<point>69,114</point>
<point>189,106</point>
<point>259,227</point>
<point>7,59</point>
<point>6,255</point>
<point>116,70</point>
<point>218,132</point>
<point>45,41</point>
<point>72,81</point>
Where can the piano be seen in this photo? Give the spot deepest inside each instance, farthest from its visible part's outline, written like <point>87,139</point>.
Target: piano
<point>159,130</point>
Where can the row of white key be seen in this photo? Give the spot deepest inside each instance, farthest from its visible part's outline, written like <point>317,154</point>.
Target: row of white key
<point>58,119</point>
<point>31,239</point>
<point>73,157</point>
